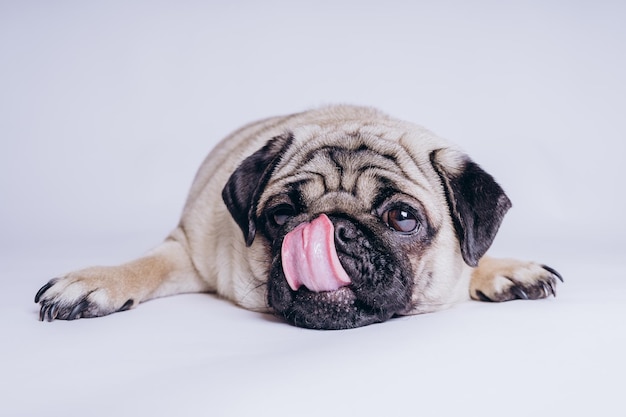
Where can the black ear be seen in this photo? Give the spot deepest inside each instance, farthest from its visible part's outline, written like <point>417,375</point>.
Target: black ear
<point>244,187</point>
<point>477,203</point>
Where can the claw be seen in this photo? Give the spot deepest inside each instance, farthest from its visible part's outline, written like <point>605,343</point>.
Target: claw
<point>552,289</point>
<point>519,293</point>
<point>42,312</point>
<point>553,272</point>
<point>45,288</point>
<point>127,305</point>
<point>78,308</point>
<point>52,312</point>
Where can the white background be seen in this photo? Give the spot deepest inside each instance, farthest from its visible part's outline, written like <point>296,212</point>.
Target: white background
<point>107,109</point>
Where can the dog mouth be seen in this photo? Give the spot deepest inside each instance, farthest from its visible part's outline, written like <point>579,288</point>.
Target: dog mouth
<point>313,285</point>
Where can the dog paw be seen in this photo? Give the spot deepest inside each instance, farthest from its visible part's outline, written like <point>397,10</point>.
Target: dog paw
<point>503,280</point>
<point>79,295</point>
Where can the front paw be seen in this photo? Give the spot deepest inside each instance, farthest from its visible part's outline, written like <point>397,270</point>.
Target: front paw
<point>504,280</point>
<point>76,296</point>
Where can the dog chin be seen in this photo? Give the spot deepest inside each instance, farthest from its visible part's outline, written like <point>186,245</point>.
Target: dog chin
<point>329,310</point>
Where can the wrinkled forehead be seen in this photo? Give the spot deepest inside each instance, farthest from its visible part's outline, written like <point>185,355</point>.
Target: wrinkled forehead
<point>364,167</point>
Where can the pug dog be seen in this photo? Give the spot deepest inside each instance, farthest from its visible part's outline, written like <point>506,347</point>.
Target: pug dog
<point>333,218</point>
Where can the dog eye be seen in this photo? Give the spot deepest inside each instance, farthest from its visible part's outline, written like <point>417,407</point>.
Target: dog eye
<point>400,220</point>
<point>281,214</point>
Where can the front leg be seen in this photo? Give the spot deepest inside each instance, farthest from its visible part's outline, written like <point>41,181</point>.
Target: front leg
<point>509,279</point>
<point>102,290</point>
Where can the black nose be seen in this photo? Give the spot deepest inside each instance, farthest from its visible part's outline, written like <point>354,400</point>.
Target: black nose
<point>345,232</point>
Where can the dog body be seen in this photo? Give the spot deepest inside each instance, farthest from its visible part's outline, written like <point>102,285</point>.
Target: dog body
<point>332,218</point>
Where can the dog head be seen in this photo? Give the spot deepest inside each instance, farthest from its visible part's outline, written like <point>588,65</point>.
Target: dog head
<point>361,222</point>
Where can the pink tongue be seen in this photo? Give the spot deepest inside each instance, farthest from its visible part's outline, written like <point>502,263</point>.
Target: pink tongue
<point>309,257</point>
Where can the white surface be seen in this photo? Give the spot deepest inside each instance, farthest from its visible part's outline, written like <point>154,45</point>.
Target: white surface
<point>108,108</point>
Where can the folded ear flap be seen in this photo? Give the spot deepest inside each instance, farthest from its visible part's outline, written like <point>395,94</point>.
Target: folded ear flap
<point>477,203</point>
<point>244,187</point>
